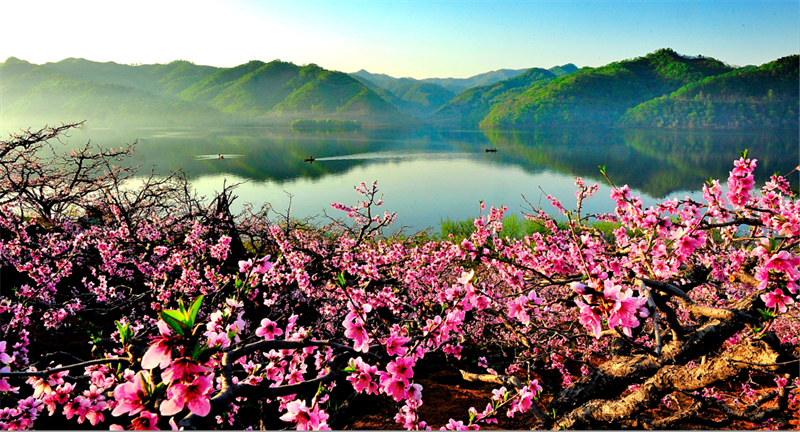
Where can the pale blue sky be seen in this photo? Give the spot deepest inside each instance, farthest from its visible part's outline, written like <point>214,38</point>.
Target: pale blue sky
<point>399,38</point>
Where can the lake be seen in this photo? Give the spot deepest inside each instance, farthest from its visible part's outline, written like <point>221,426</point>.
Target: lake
<point>427,176</point>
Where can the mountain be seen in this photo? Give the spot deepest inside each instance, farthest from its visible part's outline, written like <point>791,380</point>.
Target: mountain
<point>563,70</point>
<point>765,97</point>
<point>414,98</point>
<point>662,89</point>
<point>454,85</point>
<point>160,79</point>
<point>34,95</point>
<point>181,93</point>
<point>458,85</point>
<point>280,89</point>
<point>593,97</point>
<point>422,98</point>
<point>470,107</point>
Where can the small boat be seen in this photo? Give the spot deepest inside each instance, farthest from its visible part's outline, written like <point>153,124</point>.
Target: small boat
<point>220,156</point>
<point>491,150</point>
<point>310,159</point>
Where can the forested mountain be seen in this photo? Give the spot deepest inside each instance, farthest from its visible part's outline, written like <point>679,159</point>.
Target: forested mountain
<point>458,85</point>
<point>759,98</point>
<point>471,106</point>
<point>182,93</point>
<point>594,97</point>
<point>454,85</point>
<point>422,98</point>
<point>279,89</point>
<point>660,90</point>
<point>415,98</point>
<point>34,95</point>
<point>160,79</point>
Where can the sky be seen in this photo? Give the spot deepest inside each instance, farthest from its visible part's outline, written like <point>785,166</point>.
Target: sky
<point>398,38</point>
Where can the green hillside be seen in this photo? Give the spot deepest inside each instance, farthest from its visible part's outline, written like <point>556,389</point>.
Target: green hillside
<point>760,98</point>
<point>36,95</point>
<point>415,98</point>
<point>600,96</point>
<point>470,107</point>
<point>276,89</point>
<point>211,86</point>
<point>181,93</point>
<point>160,79</point>
<point>455,102</point>
<point>458,85</point>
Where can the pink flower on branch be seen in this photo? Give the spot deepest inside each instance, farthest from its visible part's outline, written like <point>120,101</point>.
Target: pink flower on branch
<point>183,369</point>
<point>131,396</point>
<point>195,395</point>
<point>305,418</point>
<point>776,299</point>
<point>268,330</point>
<point>160,352</point>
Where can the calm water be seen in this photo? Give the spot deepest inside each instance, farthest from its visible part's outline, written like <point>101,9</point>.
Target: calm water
<point>427,176</point>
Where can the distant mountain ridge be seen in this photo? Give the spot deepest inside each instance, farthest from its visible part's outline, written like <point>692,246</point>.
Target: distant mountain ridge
<point>662,89</point>
<point>762,97</point>
<point>421,98</point>
<point>598,97</point>
<point>181,93</point>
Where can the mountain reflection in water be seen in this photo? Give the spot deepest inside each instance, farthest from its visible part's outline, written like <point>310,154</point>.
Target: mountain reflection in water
<point>429,175</point>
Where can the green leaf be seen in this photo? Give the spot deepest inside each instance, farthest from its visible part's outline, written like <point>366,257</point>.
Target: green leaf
<point>767,315</point>
<point>122,332</point>
<point>125,332</point>
<point>197,350</point>
<point>147,386</point>
<point>340,279</point>
<point>159,388</point>
<point>183,309</point>
<point>193,309</point>
<point>172,322</point>
<point>602,169</point>
<point>773,244</point>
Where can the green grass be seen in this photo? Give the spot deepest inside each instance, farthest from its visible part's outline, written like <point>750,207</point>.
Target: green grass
<point>515,227</point>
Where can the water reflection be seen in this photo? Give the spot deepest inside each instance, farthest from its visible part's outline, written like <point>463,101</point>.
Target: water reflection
<point>429,175</point>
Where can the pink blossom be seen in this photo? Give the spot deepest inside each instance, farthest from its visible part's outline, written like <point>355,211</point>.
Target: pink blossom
<point>5,358</point>
<point>195,395</point>
<point>4,385</point>
<point>305,418</point>
<point>354,329</point>
<point>466,277</point>
<point>269,329</point>
<point>394,345</point>
<point>626,307</point>
<point>499,394</point>
<point>589,319</point>
<point>183,369</point>
<point>517,309</point>
<point>401,368</point>
<point>132,395</point>
<point>362,378</point>
<point>244,266</point>
<point>160,351</point>
<point>43,386</point>
<point>145,421</point>
<point>776,299</point>
<point>396,388</point>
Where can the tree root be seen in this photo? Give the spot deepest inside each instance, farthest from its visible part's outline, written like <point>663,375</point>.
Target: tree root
<point>668,379</point>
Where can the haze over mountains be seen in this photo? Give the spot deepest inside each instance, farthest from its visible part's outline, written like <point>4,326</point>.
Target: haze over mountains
<point>662,89</point>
